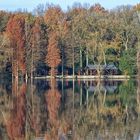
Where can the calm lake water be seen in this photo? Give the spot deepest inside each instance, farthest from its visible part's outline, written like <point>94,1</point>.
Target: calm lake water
<point>70,110</point>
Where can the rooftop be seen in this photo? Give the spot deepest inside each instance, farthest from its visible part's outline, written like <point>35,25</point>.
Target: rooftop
<point>108,66</point>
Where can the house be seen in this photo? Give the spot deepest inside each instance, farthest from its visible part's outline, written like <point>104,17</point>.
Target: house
<point>109,69</point>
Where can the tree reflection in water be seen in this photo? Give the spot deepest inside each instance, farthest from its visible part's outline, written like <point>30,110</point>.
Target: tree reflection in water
<point>56,129</point>
<point>78,111</point>
<point>15,122</point>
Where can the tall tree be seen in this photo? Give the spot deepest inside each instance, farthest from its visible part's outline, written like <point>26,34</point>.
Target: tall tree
<point>137,10</point>
<point>53,53</point>
<point>54,19</point>
<point>16,33</point>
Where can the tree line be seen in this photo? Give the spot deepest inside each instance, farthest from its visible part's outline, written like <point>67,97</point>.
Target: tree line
<point>51,41</point>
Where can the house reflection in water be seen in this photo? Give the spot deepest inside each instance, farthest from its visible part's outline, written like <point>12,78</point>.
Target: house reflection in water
<point>109,86</point>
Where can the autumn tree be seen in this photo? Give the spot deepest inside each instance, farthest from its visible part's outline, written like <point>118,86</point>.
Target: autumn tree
<point>83,35</point>
<point>36,44</point>
<point>29,22</point>
<point>16,33</point>
<point>36,40</point>
<point>53,53</point>
<point>53,17</point>
<point>56,22</point>
<point>75,37</point>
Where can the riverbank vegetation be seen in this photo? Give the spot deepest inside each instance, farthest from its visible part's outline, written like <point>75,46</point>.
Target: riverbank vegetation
<point>52,42</point>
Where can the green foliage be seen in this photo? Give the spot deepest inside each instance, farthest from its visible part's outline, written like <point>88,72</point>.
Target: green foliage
<point>127,63</point>
<point>4,17</point>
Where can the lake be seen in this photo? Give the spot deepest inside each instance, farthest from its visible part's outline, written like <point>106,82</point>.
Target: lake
<point>70,110</point>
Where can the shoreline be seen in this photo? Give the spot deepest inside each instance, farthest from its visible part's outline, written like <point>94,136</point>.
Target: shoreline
<point>88,77</point>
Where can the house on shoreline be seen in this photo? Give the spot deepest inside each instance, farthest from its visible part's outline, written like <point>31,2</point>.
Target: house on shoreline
<point>109,69</point>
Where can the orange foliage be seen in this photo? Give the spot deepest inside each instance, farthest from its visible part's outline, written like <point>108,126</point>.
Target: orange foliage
<point>53,56</point>
<point>16,33</point>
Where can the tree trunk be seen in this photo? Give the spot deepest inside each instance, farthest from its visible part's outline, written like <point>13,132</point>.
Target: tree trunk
<point>138,69</point>
<point>138,76</point>
<point>31,72</point>
<point>104,57</point>
<point>73,61</point>
<point>81,59</point>
<point>138,63</point>
<point>62,63</point>
<point>126,43</point>
<point>86,57</point>
<point>53,74</point>
<point>138,93</point>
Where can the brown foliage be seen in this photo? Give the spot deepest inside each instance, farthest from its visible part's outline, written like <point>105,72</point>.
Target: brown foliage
<point>53,53</point>
<point>36,28</point>
<point>53,17</point>
<point>35,38</point>
<point>15,32</point>
<point>137,7</point>
<point>97,8</point>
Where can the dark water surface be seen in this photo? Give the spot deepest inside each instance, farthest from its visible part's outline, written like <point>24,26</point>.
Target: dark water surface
<point>70,110</point>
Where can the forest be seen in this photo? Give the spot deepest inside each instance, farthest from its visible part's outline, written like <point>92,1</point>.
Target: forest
<point>50,41</point>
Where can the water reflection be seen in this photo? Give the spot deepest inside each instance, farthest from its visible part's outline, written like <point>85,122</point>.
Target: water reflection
<point>70,110</point>
<point>56,129</point>
<point>15,120</point>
